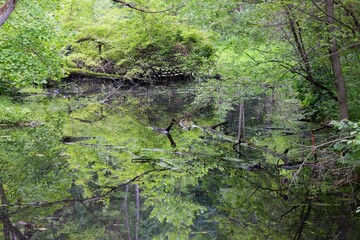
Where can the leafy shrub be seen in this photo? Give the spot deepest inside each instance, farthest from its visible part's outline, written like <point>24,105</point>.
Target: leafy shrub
<point>30,48</point>
<point>13,114</point>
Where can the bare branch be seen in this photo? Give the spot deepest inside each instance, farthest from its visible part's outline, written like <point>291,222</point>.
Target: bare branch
<point>353,15</point>
<point>303,55</point>
<point>331,17</point>
<point>132,6</point>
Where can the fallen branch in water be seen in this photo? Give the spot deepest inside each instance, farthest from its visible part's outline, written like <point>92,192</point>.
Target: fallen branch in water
<point>22,124</point>
<point>166,131</point>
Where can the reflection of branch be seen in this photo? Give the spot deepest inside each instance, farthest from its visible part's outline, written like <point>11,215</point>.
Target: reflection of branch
<point>90,199</point>
<point>132,6</point>
<point>108,96</point>
<point>100,220</point>
<point>152,161</point>
<point>277,191</point>
<point>271,152</point>
<point>170,125</point>
<point>247,199</point>
<point>218,125</point>
<point>304,218</point>
<point>173,144</point>
<point>289,211</point>
<point>238,152</point>
<point>89,121</point>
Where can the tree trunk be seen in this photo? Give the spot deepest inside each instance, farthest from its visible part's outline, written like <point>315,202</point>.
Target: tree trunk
<point>304,217</point>
<point>6,9</point>
<point>336,63</point>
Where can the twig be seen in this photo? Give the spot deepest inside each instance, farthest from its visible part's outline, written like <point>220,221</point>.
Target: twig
<point>132,6</point>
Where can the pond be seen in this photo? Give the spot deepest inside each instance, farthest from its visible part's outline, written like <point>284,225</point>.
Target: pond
<point>100,160</point>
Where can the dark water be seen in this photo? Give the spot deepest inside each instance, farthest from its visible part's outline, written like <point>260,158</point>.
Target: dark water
<point>106,161</point>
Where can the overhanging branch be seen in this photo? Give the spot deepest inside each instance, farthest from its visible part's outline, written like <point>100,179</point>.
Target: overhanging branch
<point>132,6</point>
<point>6,9</point>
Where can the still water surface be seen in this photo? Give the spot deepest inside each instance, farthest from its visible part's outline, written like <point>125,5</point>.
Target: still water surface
<point>103,161</point>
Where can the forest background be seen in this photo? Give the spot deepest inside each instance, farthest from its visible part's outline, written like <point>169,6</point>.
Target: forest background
<point>310,46</point>
<point>232,50</point>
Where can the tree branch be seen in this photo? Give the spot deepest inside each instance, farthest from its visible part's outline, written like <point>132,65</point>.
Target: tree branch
<point>6,9</point>
<point>351,13</point>
<point>296,31</point>
<point>331,17</point>
<point>132,6</point>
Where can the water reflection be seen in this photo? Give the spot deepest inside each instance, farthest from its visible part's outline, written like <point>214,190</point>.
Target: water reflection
<point>116,162</point>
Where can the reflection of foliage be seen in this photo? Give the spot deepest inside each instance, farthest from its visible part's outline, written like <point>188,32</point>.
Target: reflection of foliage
<point>12,113</point>
<point>34,169</point>
<point>36,159</point>
<point>199,189</point>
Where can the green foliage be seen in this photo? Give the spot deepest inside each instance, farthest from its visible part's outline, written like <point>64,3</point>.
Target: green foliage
<point>255,43</point>
<point>132,43</point>
<point>253,49</point>
<point>349,142</point>
<point>199,189</point>
<point>30,47</point>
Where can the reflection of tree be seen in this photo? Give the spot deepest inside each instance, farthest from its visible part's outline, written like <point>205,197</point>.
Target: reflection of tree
<point>33,170</point>
<point>202,188</point>
<point>125,207</point>
<point>266,200</point>
<point>10,231</point>
<point>137,207</point>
